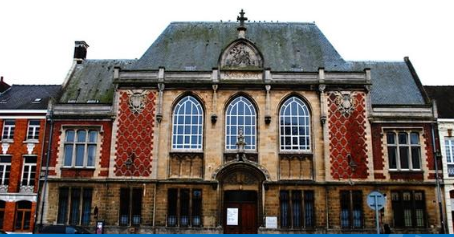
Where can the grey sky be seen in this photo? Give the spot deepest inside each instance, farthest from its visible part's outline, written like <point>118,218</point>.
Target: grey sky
<point>37,37</point>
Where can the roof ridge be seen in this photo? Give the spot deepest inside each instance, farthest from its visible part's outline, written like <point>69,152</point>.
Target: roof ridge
<point>249,22</point>
<point>35,85</point>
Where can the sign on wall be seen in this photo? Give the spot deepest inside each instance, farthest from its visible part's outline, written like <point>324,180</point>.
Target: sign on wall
<point>271,222</point>
<point>232,216</point>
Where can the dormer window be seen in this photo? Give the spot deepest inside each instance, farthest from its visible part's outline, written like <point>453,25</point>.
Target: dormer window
<point>37,100</point>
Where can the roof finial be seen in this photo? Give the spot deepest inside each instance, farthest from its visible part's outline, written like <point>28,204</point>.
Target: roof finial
<point>241,29</point>
<point>242,19</point>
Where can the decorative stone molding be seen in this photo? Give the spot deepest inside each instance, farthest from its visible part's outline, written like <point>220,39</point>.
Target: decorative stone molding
<point>346,102</point>
<point>30,147</point>
<point>27,189</point>
<point>252,157</point>
<point>4,188</point>
<point>15,197</point>
<point>186,165</point>
<point>137,100</point>
<point>5,146</point>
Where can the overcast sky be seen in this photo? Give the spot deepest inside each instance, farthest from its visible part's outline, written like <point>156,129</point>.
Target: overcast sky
<point>37,37</point>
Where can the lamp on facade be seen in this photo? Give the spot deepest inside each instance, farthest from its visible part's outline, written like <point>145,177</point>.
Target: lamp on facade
<point>240,145</point>
<point>351,163</point>
<point>130,161</point>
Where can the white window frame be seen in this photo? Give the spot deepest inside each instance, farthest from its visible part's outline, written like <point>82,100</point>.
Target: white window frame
<point>86,145</point>
<point>33,129</point>
<point>27,171</point>
<point>8,129</point>
<point>409,144</point>
<point>306,118</point>
<point>180,111</point>
<point>249,135</point>
<point>3,166</point>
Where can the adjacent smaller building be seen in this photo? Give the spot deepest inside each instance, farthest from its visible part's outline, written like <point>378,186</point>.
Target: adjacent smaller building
<point>445,120</point>
<point>23,110</point>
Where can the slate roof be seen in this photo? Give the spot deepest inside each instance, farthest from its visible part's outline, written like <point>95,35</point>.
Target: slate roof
<point>285,46</point>
<point>444,97</point>
<point>22,97</point>
<point>392,83</point>
<point>92,80</point>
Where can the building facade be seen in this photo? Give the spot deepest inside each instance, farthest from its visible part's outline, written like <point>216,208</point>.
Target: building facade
<point>445,121</point>
<point>241,128</point>
<point>23,110</point>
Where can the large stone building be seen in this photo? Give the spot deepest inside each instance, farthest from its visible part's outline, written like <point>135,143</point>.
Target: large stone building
<point>442,97</point>
<point>241,128</point>
<point>23,110</point>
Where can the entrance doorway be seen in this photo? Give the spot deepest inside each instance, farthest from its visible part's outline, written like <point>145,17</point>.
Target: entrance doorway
<point>240,212</point>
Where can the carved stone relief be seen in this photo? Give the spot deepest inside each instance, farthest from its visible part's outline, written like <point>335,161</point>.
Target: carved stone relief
<point>137,100</point>
<point>241,55</point>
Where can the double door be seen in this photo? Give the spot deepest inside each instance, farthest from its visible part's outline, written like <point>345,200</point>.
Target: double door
<point>240,212</point>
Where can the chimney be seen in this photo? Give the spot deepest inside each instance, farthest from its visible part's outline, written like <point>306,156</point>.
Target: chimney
<point>80,51</point>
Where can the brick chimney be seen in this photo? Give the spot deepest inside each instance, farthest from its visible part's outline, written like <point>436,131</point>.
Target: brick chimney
<point>3,85</point>
<point>80,51</point>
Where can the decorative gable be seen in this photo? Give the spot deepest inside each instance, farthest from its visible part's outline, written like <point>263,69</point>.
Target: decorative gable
<point>241,54</point>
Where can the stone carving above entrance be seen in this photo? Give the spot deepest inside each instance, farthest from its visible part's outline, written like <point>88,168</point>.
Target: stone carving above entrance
<point>242,178</point>
<point>241,55</point>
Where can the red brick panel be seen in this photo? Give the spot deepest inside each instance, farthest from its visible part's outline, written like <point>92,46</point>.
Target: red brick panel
<point>347,137</point>
<point>135,137</point>
<point>106,136</point>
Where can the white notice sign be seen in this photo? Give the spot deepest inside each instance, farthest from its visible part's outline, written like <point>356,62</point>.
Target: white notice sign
<point>232,216</point>
<point>271,222</point>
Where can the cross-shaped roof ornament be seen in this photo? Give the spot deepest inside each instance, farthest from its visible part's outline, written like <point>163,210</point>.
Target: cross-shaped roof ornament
<point>241,18</point>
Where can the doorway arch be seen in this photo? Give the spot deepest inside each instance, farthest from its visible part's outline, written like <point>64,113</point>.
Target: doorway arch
<point>240,196</point>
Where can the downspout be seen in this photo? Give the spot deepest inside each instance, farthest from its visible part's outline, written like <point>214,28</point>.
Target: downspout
<point>38,196</point>
<point>49,146</point>
<point>440,206</point>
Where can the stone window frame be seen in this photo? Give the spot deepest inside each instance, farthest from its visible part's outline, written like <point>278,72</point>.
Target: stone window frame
<point>9,126</point>
<point>248,135</point>
<point>193,203</point>
<point>199,131</point>
<point>306,123</point>
<point>130,210</point>
<point>306,198</point>
<point>397,145</point>
<point>33,129</point>
<point>351,201</point>
<point>405,212</point>
<point>449,151</point>
<point>87,142</point>
<point>81,210</point>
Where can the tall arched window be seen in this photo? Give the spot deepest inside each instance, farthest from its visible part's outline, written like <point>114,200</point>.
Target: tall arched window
<point>294,120</point>
<point>240,114</point>
<point>187,127</point>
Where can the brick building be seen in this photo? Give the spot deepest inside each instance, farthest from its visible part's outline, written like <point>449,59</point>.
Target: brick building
<point>241,128</point>
<point>23,110</point>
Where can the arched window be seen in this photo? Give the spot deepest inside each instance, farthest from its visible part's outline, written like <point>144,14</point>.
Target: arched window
<point>23,215</point>
<point>294,120</point>
<point>187,125</point>
<point>240,114</point>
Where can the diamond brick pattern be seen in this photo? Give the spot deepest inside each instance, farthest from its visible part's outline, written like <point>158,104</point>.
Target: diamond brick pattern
<point>134,146</point>
<point>347,134</point>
